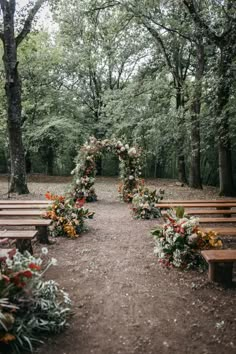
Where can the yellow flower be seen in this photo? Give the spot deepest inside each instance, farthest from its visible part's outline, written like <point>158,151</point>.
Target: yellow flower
<point>7,338</point>
<point>70,230</point>
<point>215,243</point>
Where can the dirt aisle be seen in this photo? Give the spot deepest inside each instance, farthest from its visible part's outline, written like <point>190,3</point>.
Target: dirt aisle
<point>126,303</point>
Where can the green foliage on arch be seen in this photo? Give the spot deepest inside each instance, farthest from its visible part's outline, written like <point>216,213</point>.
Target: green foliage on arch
<point>85,170</point>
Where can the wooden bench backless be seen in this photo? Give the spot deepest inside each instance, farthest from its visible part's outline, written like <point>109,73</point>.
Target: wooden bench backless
<point>40,224</point>
<point>22,206</point>
<point>23,238</point>
<point>22,202</point>
<point>207,212</point>
<point>217,220</point>
<point>197,201</point>
<point>220,265</point>
<point>21,213</point>
<point>196,205</point>
<point>222,231</point>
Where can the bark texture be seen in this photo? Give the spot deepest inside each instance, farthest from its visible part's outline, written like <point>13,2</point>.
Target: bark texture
<point>195,169</point>
<point>226,43</point>
<point>13,90</point>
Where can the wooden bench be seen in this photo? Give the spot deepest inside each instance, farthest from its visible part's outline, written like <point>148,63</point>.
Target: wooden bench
<point>40,224</point>
<point>222,231</point>
<point>220,265</point>
<point>21,213</point>
<point>196,205</point>
<point>23,238</point>
<point>217,220</point>
<point>208,212</point>
<point>22,206</point>
<point>197,201</point>
<point>22,202</point>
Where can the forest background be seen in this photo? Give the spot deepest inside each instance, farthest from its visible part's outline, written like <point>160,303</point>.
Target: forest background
<point>157,74</point>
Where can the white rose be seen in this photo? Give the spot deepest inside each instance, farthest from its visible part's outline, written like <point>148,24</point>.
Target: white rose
<point>122,149</point>
<point>132,152</point>
<point>131,178</point>
<point>127,146</point>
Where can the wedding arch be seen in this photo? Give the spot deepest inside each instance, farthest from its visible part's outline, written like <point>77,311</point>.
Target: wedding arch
<point>85,170</point>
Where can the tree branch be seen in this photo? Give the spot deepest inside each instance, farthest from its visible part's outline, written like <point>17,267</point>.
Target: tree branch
<point>168,29</point>
<point>105,6</point>
<point>28,22</point>
<point>189,4</point>
<point>160,42</point>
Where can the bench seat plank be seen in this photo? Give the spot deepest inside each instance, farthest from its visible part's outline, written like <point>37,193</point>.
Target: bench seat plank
<point>217,220</point>
<point>196,205</point>
<point>205,212</point>
<point>192,201</point>
<point>25,222</point>
<point>22,206</point>
<point>18,234</point>
<point>208,211</point>
<point>12,201</point>
<point>219,255</point>
<point>25,212</point>
<point>222,231</point>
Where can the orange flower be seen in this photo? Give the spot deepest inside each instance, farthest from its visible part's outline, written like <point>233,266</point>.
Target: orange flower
<point>48,195</point>
<point>7,338</point>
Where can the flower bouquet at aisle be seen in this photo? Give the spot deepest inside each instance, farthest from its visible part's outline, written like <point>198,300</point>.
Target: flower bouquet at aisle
<point>180,240</point>
<point>144,203</point>
<point>68,215</point>
<point>30,308</point>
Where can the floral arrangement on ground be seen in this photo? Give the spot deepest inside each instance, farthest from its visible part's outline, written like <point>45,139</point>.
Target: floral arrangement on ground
<point>30,307</point>
<point>180,240</point>
<point>144,203</point>
<point>85,170</point>
<point>68,215</point>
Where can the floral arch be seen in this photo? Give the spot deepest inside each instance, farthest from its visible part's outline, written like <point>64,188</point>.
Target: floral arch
<point>85,170</point>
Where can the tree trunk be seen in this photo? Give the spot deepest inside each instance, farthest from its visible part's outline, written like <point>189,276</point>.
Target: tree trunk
<point>50,162</point>
<point>222,115</point>
<point>13,93</point>
<point>180,140</point>
<point>195,172</point>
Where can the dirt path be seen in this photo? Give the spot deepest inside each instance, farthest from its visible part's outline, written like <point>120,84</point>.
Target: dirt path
<point>125,302</point>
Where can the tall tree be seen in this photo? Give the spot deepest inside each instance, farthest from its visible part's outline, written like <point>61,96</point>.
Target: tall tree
<point>221,32</point>
<point>11,41</point>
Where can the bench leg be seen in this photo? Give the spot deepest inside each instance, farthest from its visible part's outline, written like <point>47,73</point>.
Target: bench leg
<point>24,245</point>
<point>221,273</point>
<point>42,235</point>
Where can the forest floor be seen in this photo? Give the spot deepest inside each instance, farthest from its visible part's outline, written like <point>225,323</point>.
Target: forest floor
<point>124,301</point>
